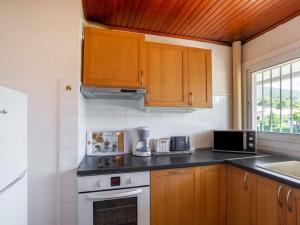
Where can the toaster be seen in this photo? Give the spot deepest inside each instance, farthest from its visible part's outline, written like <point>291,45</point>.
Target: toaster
<point>180,143</point>
<point>162,145</point>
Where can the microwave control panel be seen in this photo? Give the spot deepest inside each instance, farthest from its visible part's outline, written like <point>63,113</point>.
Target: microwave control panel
<point>251,141</point>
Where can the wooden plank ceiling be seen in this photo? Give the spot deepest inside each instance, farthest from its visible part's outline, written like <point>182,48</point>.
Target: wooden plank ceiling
<point>221,21</point>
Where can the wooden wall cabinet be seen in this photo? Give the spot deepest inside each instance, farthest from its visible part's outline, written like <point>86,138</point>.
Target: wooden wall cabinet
<point>174,76</point>
<point>240,197</point>
<point>178,76</point>
<point>166,75</point>
<point>113,58</point>
<point>200,78</point>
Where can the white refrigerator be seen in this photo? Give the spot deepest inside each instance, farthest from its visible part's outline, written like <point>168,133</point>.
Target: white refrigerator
<point>13,158</point>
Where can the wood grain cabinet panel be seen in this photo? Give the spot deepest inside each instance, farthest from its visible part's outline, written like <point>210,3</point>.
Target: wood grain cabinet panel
<point>113,58</point>
<point>200,78</point>
<point>293,206</point>
<point>211,183</point>
<point>166,75</point>
<point>270,202</point>
<point>240,197</point>
<point>173,197</point>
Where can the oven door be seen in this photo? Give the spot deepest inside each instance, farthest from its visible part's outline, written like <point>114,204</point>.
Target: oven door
<point>115,207</point>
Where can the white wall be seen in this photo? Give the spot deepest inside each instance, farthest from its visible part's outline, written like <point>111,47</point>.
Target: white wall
<point>274,47</point>
<point>39,44</point>
<point>280,37</point>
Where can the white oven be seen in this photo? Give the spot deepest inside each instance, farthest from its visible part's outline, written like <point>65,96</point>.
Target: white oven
<point>115,199</point>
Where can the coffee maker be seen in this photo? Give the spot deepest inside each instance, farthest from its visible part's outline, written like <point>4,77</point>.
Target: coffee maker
<point>142,147</point>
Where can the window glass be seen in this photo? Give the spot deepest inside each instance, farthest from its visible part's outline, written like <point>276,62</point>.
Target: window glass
<point>277,98</point>
<point>266,100</point>
<point>285,99</point>
<point>296,97</point>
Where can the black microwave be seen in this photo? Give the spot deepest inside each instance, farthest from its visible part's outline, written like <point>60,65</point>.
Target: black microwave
<point>239,141</point>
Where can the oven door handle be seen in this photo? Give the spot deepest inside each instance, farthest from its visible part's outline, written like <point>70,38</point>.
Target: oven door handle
<point>105,196</point>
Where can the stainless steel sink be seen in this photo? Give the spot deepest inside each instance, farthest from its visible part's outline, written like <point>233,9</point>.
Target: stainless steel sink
<point>288,168</point>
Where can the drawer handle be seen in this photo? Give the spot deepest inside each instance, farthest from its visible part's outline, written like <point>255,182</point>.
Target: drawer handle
<point>246,181</point>
<point>278,196</point>
<point>176,171</point>
<point>288,199</point>
<point>3,112</point>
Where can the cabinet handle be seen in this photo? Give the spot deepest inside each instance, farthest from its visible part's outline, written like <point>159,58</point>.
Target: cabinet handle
<point>176,171</point>
<point>278,196</point>
<point>3,112</point>
<point>191,98</point>
<point>142,78</point>
<point>246,181</point>
<point>288,199</point>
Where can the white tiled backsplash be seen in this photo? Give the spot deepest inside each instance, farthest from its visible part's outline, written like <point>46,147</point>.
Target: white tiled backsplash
<point>99,114</point>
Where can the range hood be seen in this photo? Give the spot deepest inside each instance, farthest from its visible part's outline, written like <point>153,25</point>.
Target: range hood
<point>112,93</point>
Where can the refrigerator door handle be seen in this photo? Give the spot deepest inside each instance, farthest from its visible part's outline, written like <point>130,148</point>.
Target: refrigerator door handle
<point>13,182</point>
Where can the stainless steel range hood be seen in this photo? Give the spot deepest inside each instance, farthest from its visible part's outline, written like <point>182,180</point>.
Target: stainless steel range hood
<point>112,93</point>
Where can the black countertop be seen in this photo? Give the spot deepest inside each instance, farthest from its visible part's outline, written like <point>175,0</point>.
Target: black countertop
<point>93,165</point>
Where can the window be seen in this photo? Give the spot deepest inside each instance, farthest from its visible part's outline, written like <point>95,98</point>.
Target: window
<point>276,98</point>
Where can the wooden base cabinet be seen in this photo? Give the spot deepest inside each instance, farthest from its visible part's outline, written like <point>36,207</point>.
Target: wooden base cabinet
<point>173,199</point>
<point>256,200</point>
<point>211,187</point>
<point>293,206</point>
<point>240,196</point>
<point>189,196</point>
<point>270,202</point>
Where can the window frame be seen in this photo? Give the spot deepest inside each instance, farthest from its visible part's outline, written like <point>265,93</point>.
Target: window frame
<point>272,141</point>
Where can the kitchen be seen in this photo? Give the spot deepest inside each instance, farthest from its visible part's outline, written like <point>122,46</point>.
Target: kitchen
<point>41,55</point>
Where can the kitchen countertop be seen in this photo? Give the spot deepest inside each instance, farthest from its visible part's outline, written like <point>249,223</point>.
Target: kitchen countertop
<point>96,165</point>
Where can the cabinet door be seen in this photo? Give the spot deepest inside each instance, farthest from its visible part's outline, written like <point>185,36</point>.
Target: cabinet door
<point>240,196</point>
<point>166,75</point>
<point>212,195</point>
<point>200,77</point>
<point>113,58</point>
<point>270,202</point>
<point>293,206</point>
<point>173,197</point>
